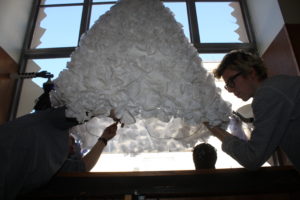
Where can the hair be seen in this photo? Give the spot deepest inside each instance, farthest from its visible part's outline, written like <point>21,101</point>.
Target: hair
<point>43,102</point>
<point>204,156</point>
<point>242,61</point>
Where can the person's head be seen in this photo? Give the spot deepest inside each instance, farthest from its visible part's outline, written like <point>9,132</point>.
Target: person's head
<point>204,156</point>
<point>242,72</point>
<point>44,102</point>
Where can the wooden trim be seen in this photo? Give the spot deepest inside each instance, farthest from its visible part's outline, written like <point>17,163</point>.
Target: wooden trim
<point>280,57</point>
<point>294,32</point>
<point>7,66</point>
<point>172,184</point>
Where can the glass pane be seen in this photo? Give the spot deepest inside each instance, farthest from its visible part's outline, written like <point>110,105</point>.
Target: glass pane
<point>51,2</point>
<point>180,12</point>
<point>57,27</point>
<point>220,22</point>
<point>209,57</point>
<point>97,11</point>
<point>32,88</point>
<point>53,66</point>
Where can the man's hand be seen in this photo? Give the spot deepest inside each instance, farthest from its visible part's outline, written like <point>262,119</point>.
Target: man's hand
<point>209,127</point>
<point>110,131</point>
<point>217,131</point>
<point>112,115</point>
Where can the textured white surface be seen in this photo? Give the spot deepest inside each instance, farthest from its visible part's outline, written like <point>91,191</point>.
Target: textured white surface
<point>136,60</point>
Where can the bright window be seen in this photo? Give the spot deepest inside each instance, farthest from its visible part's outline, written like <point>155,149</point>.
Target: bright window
<point>97,11</point>
<point>217,22</point>
<point>180,13</point>
<point>64,32</point>
<point>214,28</point>
<point>54,65</point>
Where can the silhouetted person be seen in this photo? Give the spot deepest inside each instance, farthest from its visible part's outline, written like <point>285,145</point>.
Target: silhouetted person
<point>204,156</point>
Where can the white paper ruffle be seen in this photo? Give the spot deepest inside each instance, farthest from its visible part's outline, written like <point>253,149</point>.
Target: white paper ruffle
<point>137,60</point>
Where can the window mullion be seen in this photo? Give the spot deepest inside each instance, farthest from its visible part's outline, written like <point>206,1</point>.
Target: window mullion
<point>247,22</point>
<point>222,47</point>
<point>193,24</point>
<point>23,60</point>
<point>62,52</point>
<point>85,19</point>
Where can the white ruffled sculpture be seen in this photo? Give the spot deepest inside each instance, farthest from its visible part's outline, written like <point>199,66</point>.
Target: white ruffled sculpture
<point>137,61</point>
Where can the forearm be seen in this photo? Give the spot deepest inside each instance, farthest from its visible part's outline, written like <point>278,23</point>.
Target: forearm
<point>218,132</point>
<point>92,157</point>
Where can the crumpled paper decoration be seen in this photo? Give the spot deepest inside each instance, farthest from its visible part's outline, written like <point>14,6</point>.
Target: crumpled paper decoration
<point>144,136</point>
<point>136,60</point>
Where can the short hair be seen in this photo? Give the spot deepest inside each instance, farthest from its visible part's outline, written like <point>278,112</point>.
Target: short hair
<point>242,61</point>
<point>204,156</point>
<point>44,102</point>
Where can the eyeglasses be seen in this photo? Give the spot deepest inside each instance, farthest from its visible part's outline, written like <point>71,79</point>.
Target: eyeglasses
<point>230,82</point>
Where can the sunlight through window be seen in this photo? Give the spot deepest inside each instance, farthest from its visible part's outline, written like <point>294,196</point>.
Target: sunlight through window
<point>59,24</point>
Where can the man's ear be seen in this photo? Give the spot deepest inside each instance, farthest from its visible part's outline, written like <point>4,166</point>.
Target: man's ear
<point>253,75</point>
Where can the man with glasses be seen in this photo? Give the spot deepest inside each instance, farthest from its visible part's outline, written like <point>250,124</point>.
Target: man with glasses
<point>276,109</point>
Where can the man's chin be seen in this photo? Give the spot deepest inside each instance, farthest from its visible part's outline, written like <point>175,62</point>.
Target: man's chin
<point>245,98</point>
